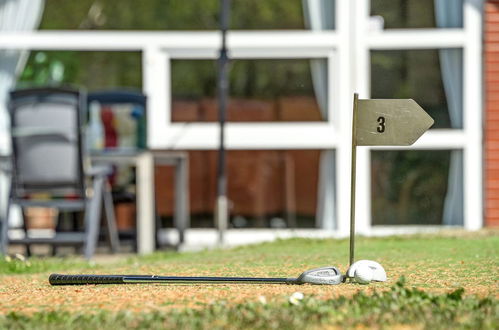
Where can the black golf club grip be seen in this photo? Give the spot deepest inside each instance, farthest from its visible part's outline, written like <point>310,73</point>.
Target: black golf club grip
<point>58,279</point>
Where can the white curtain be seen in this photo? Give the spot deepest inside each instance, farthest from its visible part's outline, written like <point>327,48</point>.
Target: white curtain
<point>320,15</point>
<point>15,15</point>
<point>326,197</point>
<point>449,14</point>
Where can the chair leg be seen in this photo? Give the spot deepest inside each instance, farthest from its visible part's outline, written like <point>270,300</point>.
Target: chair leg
<point>4,237</point>
<point>25,228</point>
<point>93,210</point>
<point>112,229</point>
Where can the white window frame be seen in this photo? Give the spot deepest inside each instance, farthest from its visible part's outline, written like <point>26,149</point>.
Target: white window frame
<point>165,134</point>
<point>347,51</point>
<point>468,139</point>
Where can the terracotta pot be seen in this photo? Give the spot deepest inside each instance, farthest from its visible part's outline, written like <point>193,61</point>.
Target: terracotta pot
<point>41,218</point>
<point>125,216</point>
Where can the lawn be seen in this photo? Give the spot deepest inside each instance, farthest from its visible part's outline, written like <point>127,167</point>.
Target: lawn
<point>435,281</point>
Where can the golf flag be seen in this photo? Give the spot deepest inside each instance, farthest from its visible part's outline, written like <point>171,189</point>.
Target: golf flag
<point>397,122</point>
<point>390,122</point>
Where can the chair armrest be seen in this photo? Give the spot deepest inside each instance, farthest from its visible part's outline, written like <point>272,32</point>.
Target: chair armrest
<point>99,170</point>
<point>30,132</point>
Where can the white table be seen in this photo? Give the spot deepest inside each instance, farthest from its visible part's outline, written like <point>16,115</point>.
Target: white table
<point>144,162</point>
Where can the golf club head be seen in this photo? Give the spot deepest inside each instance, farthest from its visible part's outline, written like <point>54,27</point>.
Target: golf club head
<point>379,274</point>
<point>322,275</point>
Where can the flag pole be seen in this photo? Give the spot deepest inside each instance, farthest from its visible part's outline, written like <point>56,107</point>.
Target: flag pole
<point>221,209</point>
<point>353,183</point>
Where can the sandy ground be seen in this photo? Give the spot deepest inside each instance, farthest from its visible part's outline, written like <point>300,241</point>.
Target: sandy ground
<point>32,293</point>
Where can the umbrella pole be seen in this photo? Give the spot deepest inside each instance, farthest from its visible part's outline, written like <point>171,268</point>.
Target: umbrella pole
<point>221,209</point>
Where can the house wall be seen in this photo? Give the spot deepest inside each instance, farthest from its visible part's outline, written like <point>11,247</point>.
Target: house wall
<point>491,127</point>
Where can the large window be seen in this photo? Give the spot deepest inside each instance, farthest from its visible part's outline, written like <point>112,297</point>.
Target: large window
<point>294,68</point>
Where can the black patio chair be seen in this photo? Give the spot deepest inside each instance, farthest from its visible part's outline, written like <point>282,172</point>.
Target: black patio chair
<point>50,169</point>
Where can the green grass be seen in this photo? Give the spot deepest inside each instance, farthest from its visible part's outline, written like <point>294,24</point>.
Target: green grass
<point>435,282</point>
<point>19,265</point>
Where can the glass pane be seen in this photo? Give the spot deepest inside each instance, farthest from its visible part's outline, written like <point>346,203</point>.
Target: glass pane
<point>417,74</point>
<point>409,187</point>
<point>171,15</point>
<point>403,14</point>
<point>266,189</point>
<point>92,70</point>
<point>266,15</point>
<point>259,90</point>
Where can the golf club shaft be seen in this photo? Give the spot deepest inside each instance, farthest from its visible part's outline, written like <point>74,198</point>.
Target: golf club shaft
<point>59,279</point>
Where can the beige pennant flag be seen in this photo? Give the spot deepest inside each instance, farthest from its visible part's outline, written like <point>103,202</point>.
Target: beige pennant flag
<point>397,122</point>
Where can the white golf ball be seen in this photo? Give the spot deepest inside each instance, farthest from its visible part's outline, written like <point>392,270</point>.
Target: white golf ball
<point>363,274</point>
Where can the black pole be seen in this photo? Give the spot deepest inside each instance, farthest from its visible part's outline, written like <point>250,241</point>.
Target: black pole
<point>221,210</point>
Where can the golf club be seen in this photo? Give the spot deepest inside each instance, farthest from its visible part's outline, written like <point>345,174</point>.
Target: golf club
<point>323,275</point>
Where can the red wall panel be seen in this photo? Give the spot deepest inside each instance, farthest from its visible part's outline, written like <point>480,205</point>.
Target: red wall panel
<point>491,133</point>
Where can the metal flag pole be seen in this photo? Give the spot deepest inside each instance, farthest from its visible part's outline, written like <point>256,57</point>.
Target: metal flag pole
<point>221,209</point>
<point>353,182</point>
